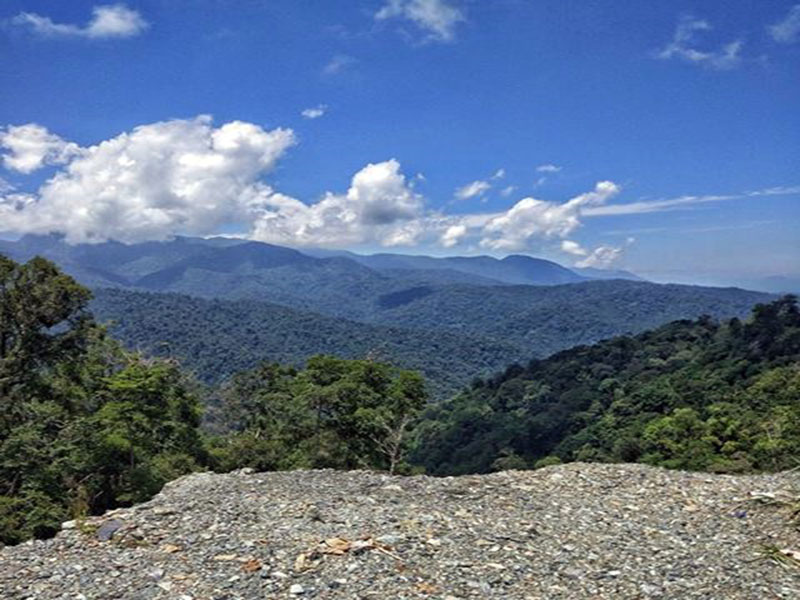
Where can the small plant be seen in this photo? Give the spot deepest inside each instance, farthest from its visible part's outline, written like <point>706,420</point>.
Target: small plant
<point>88,528</point>
<point>781,556</point>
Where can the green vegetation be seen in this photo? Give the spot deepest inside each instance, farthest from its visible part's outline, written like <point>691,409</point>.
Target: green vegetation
<point>335,413</point>
<point>86,426</point>
<point>217,338</point>
<point>451,334</point>
<point>691,394</point>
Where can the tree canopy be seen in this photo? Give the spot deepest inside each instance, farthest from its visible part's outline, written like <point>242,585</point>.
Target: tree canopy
<point>706,395</point>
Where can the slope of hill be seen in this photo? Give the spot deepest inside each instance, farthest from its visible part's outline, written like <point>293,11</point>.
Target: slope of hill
<point>690,394</point>
<point>544,319</point>
<point>450,334</point>
<point>233,268</point>
<point>575,531</point>
<point>216,338</point>
<point>514,269</point>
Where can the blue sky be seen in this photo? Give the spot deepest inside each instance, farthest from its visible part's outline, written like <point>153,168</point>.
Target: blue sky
<point>659,136</point>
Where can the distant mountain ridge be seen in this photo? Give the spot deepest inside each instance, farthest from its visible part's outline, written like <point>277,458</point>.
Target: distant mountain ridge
<point>513,269</point>
<point>448,317</point>
<point>160,265</point>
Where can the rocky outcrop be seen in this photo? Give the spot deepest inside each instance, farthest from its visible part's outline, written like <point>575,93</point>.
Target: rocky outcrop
<point>572,531</point>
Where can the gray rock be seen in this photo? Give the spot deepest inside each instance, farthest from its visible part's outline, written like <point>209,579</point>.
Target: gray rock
<point>108,529</point>
<point>572,531</point>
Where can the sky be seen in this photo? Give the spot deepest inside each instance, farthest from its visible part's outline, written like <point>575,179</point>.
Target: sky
<point>661,137</point>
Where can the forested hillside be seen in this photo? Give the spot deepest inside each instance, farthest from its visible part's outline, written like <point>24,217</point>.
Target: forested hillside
<point>451,334</point>
<point>464,321</point>
<point>706,395</point>
<point>545,319</point>
<point>216,338</point>
<point>86,426</point>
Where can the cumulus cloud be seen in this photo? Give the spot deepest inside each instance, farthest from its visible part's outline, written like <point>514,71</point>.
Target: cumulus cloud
<point>499,174</point>
<point>548,168</point>
<point>683,40</point>
<point>574,248</point>
<point>472,190</point>
<point>437,18</point>
<point>601,257</point>
<point>378,207</point>
<point>180,176</point>
<point>190,177</point>
<point>315,112</point>
<point>30,147</point>
<point>108,21</point>
<point>508,190</point>
<point>453,235</point>
<point>531,218</point>
<point>787,31</point>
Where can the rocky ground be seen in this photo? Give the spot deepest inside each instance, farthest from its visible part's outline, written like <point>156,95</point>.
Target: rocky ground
<point>572,531</point>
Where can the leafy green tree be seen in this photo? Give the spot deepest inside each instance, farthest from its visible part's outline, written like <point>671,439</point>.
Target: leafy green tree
<point>690,394</point>
<point>43,319</point>
<point>84,425</point>
<point>335,413</point>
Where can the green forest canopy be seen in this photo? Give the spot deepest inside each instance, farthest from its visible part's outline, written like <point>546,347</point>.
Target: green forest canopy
<point>691,394</point>
<point>86,426</point>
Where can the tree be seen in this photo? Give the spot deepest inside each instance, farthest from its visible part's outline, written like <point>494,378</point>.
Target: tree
<point>43,318</point>
<point>335,413</point>
<point>85,426</point>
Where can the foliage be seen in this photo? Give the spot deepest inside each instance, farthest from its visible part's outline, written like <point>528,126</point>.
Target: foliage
<point>217,338</point>
<point>334,413</point>
<point>691,394</point>
<point>84,425</point>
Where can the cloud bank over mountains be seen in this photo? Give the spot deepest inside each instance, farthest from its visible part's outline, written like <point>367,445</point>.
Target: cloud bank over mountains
<point>192,177</point>
<point>188,176</point>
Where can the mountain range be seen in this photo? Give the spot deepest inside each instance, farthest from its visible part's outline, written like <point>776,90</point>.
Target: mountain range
<point>224,304</point>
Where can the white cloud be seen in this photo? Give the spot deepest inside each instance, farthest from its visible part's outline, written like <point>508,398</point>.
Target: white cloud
<point>5,186</point>
<point>508,190</point>
<point>573,248</point>
<point>726,57</point>
<point>548,168</point>
<point>190,177</point>
<point>601,258</point>
<point>531,218</point>
<point>499,174</point>
<point>108,21</point>
<point>788,30</point>
<point>315,112</point>
<point>338,64</point>
<point>30,147</point>
<point>437,17</point>
<point>379,207</point>
<point>651,206</point>
<point>180,176</point>
<point>453,235</point>
<point>472,190</point>
<point>781,190</point>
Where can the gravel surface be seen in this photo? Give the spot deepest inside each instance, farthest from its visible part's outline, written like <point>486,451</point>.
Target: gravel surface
<point>570,531</point>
